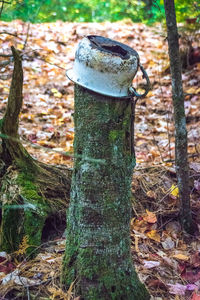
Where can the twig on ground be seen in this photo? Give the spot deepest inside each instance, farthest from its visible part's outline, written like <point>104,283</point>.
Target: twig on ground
<point>156,143</point>
<point>5,55</point>
<point>43,59</point>
<point>27,36</point>
<point>9,33</point>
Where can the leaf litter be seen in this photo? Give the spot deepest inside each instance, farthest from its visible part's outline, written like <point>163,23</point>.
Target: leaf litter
<point>168,264</point>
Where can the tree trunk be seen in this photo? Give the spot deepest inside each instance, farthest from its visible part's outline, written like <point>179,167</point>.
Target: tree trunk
<point>30,190</point>
<point>179,117</point>
<point>97,256</point>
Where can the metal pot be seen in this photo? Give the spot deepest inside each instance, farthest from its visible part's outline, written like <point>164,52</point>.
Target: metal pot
<point>104,66</point>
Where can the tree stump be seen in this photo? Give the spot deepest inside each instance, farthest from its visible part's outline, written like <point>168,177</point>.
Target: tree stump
<point>97,256</point>
<point>31,191</point>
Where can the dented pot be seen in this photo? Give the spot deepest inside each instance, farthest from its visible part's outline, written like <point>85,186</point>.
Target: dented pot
<point>104,66</point>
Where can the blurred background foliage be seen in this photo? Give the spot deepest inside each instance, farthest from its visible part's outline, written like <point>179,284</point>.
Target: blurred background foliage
<point>147,11</point>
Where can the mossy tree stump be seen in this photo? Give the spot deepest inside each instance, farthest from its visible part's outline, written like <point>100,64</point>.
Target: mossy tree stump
<point>97,256</point>
<point>30,190</point>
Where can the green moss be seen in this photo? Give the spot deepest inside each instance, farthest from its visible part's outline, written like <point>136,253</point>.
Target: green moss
<point>105,279</point>
<point>126,122</point>
<point>27,168</point>
<point>69,262</point>
<point>97,255</point>
<point>34,217</point>
<point>24,216</point>
<point>1,123</point>
<point>11,225</point>
<point>29,192</point>
<point>33,226</point>
<point>28,187</point>
<point>115,134</point>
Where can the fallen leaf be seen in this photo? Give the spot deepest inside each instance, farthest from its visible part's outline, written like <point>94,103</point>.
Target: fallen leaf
<point>180,289</point>
<point>191,276</point>
<point>154,235</point>
<point>192,287</point>
<point>195,166</point>
<point>150,217</point>
<point>197,185</point>
<point>192,90</point>
<point>28,117</point>
<point>7,267</point>
<point>58,95</point>
<point>168,243</point>
<point>177,289</point>
<point>174,191</point>
<point>69,136</point>
<point>181,256</point>
<point>195,259</point>
<point>151,194</point>
<point>156,283</point>
<point>149,264</point>
<point>46,144</point>
<point>19,280</point>
<point>136,244</point>
<point>195,296</point>
<point>139,225</point>
<point>20,46</point>
<point>53,90</point>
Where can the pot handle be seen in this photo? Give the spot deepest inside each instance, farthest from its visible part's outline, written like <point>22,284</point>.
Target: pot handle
<point>147,86</point>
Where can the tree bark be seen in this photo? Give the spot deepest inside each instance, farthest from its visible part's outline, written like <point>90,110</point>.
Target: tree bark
<point>97,256</point>
<point>30,190</point>
<point>179,117</point>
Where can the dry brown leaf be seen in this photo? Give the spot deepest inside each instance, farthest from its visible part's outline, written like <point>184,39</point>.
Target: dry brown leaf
<point>150,217</point>
<point>136,243</point>
<point>181,256</point>
<point>151,194</point>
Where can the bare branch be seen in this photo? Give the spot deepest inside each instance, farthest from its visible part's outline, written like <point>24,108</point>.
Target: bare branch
<point>2,5</point>
<point>5,55</point>
<point>43,59</point>
<point>9,33</point>
<point>1,9</point>
<point>27,36</point>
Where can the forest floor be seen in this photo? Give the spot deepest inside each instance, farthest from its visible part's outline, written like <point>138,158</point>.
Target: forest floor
<point>167,262</point>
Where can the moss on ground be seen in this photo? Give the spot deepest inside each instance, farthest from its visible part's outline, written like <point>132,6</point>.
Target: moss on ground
<point>24,212</point>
